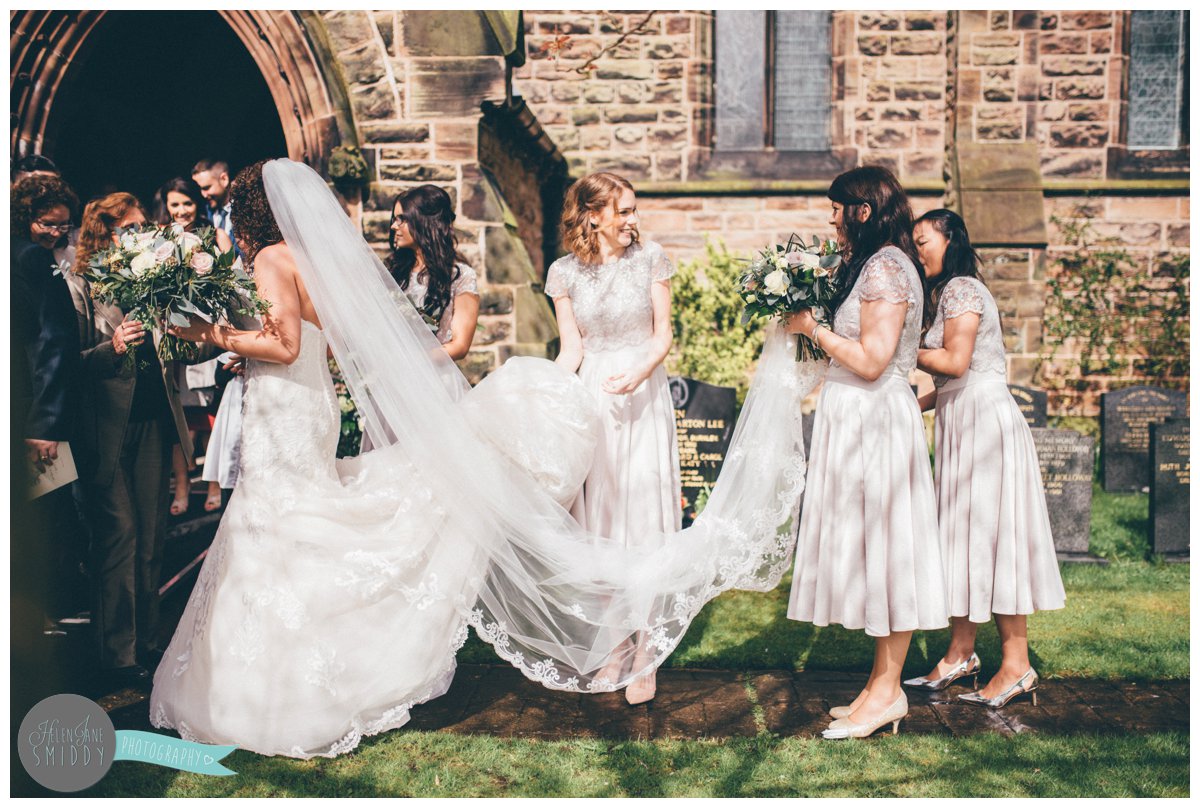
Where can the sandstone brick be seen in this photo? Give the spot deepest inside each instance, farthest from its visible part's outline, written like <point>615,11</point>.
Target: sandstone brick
<point>873,45</point>
<point>1083,87</point>
<point>999,20</point>
<point>996,40</point>
<point>1078,136</point>
<point>670,70</point>
<point>491,331</point>
<point>969,85</point>
<point>565,92</point>
<point>640,71</point>
<point>418,172</point>
<point>347,28</point>
<point>395,132</point>
<point>595,137</point>
<point>673,48</point>
<point>1088,112</point>
<point>889,137</point>
<point>582,116</point>
<point>924,20</point>
<point>565,137</point>
<point>1179,235</point>
<point>629,134</point>
<point>929,137</point>
<point>629,49</point>
<point>864,114</point>
<point>900,113</point>
<point>1101,42</point>
<point>385,23</point>
<point>629,114</point>
<point>1161,208</point>
<point>672,136</point>
<point>917,91</point>
<point>679,24</point>
<point>916,44</point>
<point>566,25</point>
<point>598,93</point>
<point>1049,21</point>
<point>879,21</point>
<point>1026,20</point>
<point>879,91</point>
<point>1054,111</point>
<point>455,141</point>
<point>1045,90</point>
<point>631,165</point>
<point>582,48</point>
<point>1063,43</point>
<point>1068,165</point>
<point>1027,83</point>
<point>363,65</point>
<point>972,21</point>
<point>629,92</point>
<point>1140,234</point>
<point>668,166</point>
<point>1074,66</point>
<point>407,154</point>
<point>705,222</point>
<point>994,56</point>
<point>374,102</point>
<point>923,166</point>
<point>1087,19</point>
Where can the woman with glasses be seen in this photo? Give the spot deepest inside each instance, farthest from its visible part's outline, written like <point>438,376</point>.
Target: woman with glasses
<point>44,379</point>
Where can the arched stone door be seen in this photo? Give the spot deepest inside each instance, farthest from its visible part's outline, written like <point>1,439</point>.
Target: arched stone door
<point>287,47</point>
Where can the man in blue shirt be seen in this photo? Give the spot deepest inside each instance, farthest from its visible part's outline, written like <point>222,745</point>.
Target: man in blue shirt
<point>213,178</point>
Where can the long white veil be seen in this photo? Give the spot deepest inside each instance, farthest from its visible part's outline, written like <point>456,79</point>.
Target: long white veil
<point>566,607</point>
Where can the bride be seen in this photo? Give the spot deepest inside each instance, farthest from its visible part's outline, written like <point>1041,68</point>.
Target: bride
<point>337,592</point>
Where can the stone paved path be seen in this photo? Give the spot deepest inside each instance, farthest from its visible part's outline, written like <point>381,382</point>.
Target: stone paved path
<point>497,700</point>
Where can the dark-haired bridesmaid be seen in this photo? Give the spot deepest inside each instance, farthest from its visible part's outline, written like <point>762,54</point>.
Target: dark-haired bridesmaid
<point>997,550</point>
<point>426,264</point>
<point>867,552</point>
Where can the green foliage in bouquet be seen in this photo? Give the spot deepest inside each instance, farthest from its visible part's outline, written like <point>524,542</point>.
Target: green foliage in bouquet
<point>163,276</point>
<point>713,343</point>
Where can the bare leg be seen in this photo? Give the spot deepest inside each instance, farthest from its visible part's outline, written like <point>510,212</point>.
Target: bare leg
<point>213,501</point>
<point>883,687</point>
<point>183,484</point>
<point>1014,648</point>
<point>643,688</point>
<point>962,645</point>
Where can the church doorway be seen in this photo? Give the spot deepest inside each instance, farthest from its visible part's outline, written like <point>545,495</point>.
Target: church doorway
<point>153,92</point>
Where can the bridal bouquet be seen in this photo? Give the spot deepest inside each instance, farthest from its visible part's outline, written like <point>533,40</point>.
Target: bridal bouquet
<point>787,277</point>
<point>165,275</point>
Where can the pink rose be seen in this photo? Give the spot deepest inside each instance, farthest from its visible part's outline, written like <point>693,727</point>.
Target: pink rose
<point>189,241</point>
<point>164,251</point>
<point>202,262</point>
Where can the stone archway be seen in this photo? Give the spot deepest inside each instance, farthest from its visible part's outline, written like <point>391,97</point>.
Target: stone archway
<point>289,49</point>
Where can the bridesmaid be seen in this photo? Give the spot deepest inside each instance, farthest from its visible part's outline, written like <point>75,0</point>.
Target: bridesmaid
<point>426,264</point>
<point>996,544</point>
<point>867,553</point>
<point>612,298</point>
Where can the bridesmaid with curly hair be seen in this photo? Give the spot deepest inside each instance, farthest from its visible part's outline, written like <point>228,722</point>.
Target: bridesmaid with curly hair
<point>612,297</point>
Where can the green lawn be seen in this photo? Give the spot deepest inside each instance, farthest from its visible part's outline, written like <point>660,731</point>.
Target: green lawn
<point>1128,620</point>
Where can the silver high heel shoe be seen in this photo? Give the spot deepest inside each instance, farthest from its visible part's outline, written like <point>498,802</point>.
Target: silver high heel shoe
<point>968,667</point>
<point>845,728</point>
<point>1026,684</point>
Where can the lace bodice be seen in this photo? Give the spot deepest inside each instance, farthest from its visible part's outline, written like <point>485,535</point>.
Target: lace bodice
<point>466,283</point>
<point>290,415</point>
<point>611,301</point>
<point>961,296</point>
<point>888,275</point>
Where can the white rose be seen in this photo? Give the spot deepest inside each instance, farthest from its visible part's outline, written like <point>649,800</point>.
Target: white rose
<point>164,251</point>
<point>144,262</point>
<point>776,282</point>
<point>177,229</point>
<point>202,262</point>
<point>145,239</point>
<point>129,241</point>
<point>809,261</point>
<point>189,241</point>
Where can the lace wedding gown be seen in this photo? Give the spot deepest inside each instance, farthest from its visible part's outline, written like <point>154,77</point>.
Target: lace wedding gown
<point>336,593</point>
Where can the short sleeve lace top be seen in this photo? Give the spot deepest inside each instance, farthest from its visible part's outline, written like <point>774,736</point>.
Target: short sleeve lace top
<point>466,283</point>
<point>888,275</point>
<point>611,301</point>
<point>961,296</point>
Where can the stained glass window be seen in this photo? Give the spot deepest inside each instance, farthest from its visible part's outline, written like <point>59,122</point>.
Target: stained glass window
<point>1156,57</point>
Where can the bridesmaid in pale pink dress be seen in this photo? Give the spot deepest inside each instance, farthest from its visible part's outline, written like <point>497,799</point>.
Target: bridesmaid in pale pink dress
<point>612,296</point>
<point>867,551</point>
<point>997,548</point>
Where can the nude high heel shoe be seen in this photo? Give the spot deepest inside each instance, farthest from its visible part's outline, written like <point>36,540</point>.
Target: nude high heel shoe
<point>845,728</point>
<point>641,689</point>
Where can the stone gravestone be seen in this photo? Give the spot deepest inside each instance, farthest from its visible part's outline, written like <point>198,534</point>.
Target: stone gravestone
<point>1125,418</point>
<point>1170,487</point>
<point>1067,458</point>
<point>1031,403</point>
<point>704,420</point>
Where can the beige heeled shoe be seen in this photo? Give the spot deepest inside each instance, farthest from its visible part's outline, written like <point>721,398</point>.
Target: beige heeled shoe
<point>842,711</point>
<point>642,689</point>
<point>845,728</point>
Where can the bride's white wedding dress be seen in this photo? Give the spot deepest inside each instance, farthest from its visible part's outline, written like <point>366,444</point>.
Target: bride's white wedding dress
<point>336,593</point>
